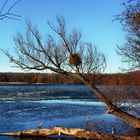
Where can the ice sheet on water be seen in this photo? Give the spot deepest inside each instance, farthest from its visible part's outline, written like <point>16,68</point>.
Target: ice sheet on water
<point>70,101</point>
<point>130,102</point>
<point>44,92</point>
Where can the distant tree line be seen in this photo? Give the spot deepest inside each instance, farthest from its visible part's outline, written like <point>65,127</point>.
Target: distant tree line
<point>131,78</point>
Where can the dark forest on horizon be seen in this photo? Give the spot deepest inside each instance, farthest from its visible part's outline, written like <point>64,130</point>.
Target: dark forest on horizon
<point>131,78</point>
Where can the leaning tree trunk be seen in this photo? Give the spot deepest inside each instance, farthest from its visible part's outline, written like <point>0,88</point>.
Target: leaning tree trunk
<point>111,108</point>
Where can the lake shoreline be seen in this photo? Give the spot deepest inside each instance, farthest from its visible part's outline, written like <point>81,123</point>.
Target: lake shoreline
<point>26,83</point>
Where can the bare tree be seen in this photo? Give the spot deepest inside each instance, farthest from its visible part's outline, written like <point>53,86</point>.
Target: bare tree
<point>6,13</point>
<point>68,56</point>
<point>130,19</point>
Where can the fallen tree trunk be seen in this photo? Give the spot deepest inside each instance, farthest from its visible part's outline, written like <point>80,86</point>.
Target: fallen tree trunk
<point>75,132</point>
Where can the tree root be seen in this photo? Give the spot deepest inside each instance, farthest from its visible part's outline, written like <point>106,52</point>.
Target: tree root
<point>75,132</point>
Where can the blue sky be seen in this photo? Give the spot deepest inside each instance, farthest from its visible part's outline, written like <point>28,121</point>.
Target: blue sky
<point>92,17</point>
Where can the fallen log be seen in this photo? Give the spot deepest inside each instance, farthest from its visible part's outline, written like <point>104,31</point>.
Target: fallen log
<point>75,132</point>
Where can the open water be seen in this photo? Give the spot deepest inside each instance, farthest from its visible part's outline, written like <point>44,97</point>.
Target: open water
<point>26,106</point>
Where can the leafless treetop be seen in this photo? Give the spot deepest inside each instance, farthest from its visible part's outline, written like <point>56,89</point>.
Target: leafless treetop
<point>35,53</point>
<point>130,19</point>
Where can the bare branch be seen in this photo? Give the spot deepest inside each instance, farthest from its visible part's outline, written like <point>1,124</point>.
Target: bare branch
<point>7,14</point>
<point>130,19</point>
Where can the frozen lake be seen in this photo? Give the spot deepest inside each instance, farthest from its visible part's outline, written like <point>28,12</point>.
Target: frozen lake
<point>26,106</point>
